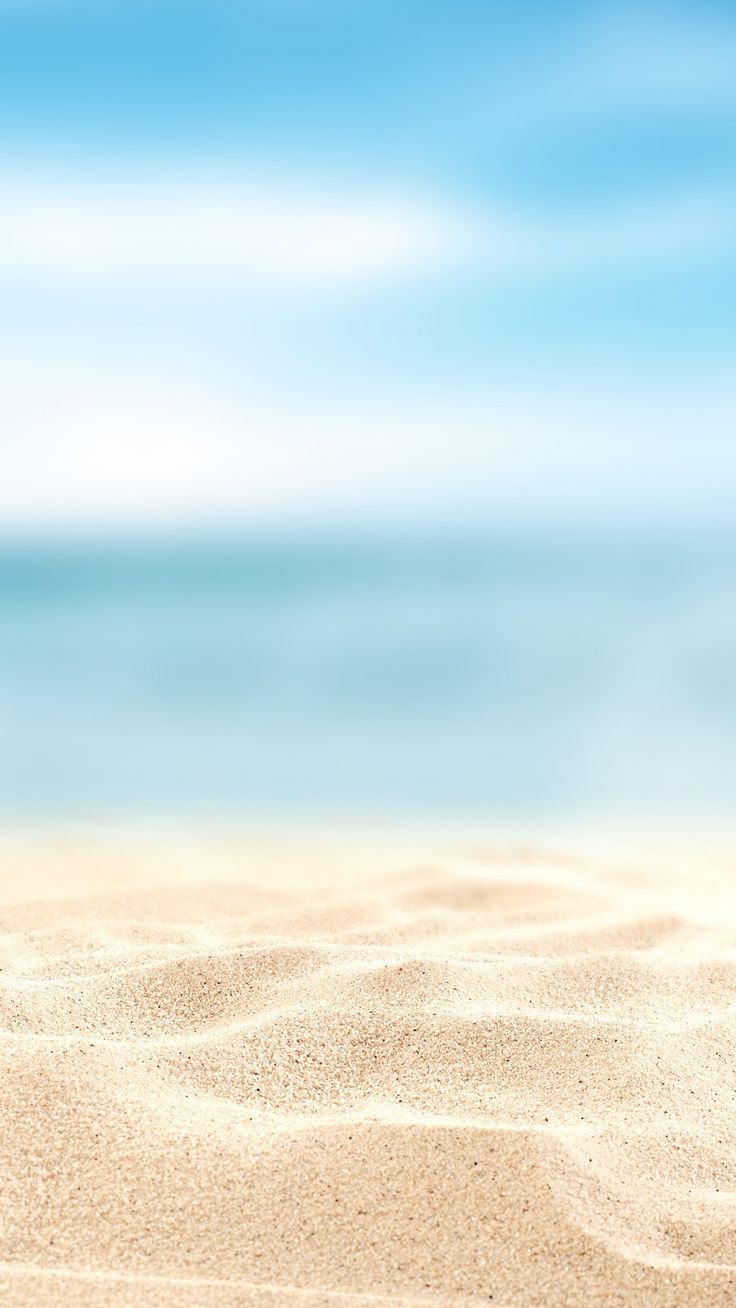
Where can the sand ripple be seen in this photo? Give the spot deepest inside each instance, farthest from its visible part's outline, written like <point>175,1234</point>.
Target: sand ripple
<point>491,1075</point>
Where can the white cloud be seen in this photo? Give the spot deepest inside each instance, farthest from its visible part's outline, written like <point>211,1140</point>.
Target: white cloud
<point>209,232</point>
<point>78,226</point>
<point>87,445</point>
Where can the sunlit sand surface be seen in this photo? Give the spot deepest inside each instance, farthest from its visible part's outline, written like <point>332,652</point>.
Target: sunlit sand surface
<point>349,1072</point>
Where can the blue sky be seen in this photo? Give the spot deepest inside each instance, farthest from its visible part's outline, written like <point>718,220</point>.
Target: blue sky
<point>289,259</point>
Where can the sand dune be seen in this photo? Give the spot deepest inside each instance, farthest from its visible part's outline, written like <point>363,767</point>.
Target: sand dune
<point>355,1073</point>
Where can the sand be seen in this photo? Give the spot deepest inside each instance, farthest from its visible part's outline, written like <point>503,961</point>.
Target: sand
<point>351,1072</point>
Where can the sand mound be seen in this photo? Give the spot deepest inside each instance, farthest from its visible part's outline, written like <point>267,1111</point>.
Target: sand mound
<point>244,1073</point>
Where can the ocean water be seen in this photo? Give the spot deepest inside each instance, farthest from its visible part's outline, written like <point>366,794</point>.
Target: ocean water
<point>497,675</point>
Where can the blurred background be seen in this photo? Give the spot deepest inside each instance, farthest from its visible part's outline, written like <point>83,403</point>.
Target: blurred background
<point>367,410</point>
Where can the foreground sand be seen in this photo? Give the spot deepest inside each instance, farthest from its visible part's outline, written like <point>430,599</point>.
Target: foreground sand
<point>362,1072</point>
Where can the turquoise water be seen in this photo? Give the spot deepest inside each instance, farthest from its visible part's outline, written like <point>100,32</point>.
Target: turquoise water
<point>500,675</point>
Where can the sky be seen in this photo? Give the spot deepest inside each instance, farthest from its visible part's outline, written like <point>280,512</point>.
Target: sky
<point>286,260</point>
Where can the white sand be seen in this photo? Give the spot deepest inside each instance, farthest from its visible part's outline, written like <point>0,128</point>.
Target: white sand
<point>344,1072</point>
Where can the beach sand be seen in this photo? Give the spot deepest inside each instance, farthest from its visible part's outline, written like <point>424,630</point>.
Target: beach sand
<point>359,1071</point>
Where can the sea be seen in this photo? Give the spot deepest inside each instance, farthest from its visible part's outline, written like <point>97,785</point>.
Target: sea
<point>499,674</point>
